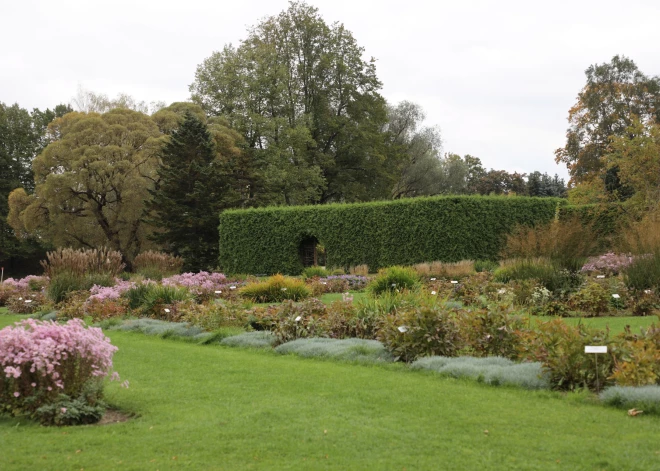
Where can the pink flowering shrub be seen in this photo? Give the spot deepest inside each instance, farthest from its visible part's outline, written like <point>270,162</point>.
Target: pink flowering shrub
<point>43,362</point>
<point>608,263</point>
<point>205,285</point>
<point>102,293</point>
<point>30,282</point>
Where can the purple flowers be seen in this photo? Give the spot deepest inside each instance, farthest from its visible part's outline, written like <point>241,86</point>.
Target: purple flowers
<point>609,262</point>
<point>202,283</point>
<point>26,283</point>
<point>56,357</point>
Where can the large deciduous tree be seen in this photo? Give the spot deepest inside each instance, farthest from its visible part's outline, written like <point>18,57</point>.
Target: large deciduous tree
<point>91,182</point>
<point>616,93</point>
<point>307,105</point>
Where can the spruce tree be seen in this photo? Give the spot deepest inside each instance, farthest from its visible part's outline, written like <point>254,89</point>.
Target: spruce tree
<point>190,195</point>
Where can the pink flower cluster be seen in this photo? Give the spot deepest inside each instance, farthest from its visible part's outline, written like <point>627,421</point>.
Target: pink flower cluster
<point>101,293</point>
<point>24,283</point>
<point>48,355</point>
<point>609,262</point>
<point>199,283</point>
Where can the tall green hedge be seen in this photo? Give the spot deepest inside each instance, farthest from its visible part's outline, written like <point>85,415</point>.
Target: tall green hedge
<point>401,232</point>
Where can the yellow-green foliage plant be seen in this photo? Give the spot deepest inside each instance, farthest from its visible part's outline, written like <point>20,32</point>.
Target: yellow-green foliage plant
<point>276,289</point>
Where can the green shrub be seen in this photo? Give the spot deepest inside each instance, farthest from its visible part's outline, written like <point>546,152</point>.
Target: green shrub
<point>358,350</point>
<point>251,340</point>
<point>552,277</point>
<point>311,272</point>
<point>378,234</point>
<point>87,408</point>
<point>150,296</point>
<point>421,331</point>
<point>66,282</point>
<point>560,348</point>
<point>593,299</point>
<point>275,289</point>
<point>157,265</point>
<point>394,279</point>
<point>495,371</point>
<point>643,273</point>
<point>485,265</point>
<point>491,331</point>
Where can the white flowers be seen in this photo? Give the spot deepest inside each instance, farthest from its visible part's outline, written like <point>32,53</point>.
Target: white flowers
<point>403,329</point>
<point>616,296</point>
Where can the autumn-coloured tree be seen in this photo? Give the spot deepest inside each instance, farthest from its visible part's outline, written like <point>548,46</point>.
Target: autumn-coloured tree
<point>616,93</point>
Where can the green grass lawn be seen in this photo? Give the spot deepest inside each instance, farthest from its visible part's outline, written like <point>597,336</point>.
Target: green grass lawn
<point>616,324</point>
<point>211,407</point>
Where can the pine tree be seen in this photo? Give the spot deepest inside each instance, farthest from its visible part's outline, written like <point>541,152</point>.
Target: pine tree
<point>190,195</point>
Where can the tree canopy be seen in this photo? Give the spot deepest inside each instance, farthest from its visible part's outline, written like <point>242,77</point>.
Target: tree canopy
<point>91,182</point>
<point>307,105</point>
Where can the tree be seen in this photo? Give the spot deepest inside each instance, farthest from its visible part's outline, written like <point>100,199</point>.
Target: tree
<point>498,182</point>
<point>91,182</point>
<point>414,151</point>
<point>636,156</point>
<point>615,94</point>
<point>193,189</point>
<point>307,105</point>
<point>542,184</point>
<point>88,101</point>
<point>22,137</point>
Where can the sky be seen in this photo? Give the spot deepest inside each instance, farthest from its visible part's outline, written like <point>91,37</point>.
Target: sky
<point>498,77</point>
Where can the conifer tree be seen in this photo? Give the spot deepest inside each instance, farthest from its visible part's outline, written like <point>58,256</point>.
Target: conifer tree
<point>190,195</point>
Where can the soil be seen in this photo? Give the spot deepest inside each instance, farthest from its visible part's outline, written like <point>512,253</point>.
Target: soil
<point>113,416</point>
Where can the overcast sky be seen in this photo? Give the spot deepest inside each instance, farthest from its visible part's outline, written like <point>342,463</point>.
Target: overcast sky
<point>498,77</point>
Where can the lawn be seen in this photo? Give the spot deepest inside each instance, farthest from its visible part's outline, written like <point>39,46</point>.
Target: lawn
<point>212,407</point>
<point>616,324</point>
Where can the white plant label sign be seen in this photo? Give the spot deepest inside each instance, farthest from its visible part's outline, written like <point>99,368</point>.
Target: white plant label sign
<point>595,349</point>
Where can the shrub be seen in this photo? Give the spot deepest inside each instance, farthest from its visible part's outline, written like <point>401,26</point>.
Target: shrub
<point>206,285</point>
<point>609,263</point>
<point>485,265</point>
<point>29,283</point>
<point>593,299</point>
<point>560,348</point>
<point>420,331</point>
<point>27,302</point>
<point>156,265</point>
<point>492,370</point>
<point>354,283</point>
<point>275,289</point>
<point>552,277</point>
<point>315,271</point>
<point>643,273</point>
<point>251,340</point>
<point>151,298</point>
<point>87,408</point>
<point>358,350</point>
<point>65,282</point>
<point>213,316</point>
<point>83,262</point>
<point>42,360</point>
<point>377,234</point>
<point>646,398</point>
<point>394,279</point>
<point>491,331</point>
<point>638,362</point>
<point>7,292</point>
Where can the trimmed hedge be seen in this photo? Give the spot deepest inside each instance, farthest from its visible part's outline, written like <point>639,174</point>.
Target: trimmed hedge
<point>380,234</point>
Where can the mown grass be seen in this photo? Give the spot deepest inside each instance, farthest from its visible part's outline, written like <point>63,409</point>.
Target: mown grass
<point>616,324</point>
<point>221,408</point>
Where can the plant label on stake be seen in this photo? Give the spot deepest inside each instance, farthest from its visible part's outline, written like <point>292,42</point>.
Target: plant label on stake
<point>596,349</point>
